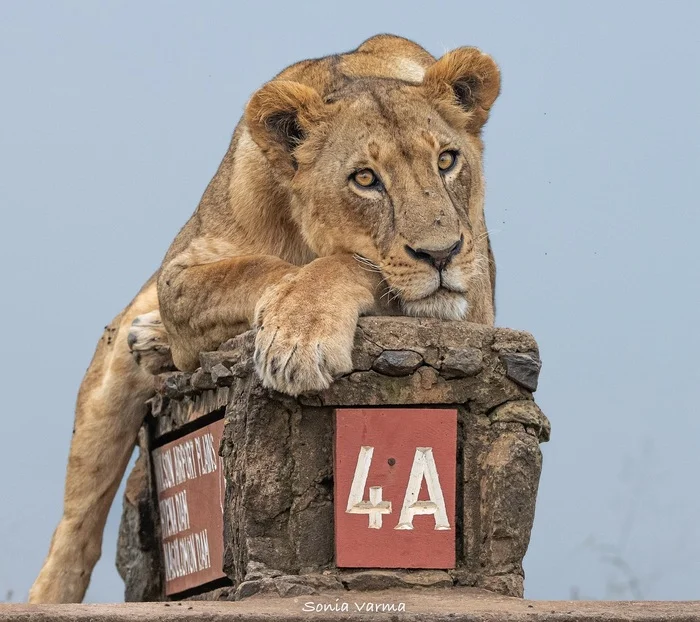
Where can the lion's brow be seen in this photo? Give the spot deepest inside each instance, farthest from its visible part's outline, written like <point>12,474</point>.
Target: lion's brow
<point>352,86</point>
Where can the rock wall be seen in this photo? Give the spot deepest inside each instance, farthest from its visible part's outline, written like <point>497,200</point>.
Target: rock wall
<point>278,459</point>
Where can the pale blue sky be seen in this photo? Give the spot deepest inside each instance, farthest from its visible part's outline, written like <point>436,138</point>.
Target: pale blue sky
<point>116,114</point>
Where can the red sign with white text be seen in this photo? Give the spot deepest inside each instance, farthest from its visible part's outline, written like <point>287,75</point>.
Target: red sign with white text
<point>191,485</point>
<point>395,485</point>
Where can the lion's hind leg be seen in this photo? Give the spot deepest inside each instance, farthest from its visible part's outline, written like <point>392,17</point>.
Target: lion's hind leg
<point>110,410</point>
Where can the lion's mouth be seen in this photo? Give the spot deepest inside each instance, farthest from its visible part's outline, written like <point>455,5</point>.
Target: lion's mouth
<point>438,292</point>
<point>443,303</point>
<point>446,299</point>
<point>442,289</point>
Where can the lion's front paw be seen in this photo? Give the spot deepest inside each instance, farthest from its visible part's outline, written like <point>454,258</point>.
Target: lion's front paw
<point>294,361</point>
<point>302,344</point>
<point>149,345</point>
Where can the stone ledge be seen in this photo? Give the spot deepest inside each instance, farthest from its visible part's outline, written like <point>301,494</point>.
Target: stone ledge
<point>463,605</point>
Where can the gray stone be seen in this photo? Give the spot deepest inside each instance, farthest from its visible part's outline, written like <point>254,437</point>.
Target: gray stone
<point>202,380</point>
<point>509,340</point>
<point>368,580</point>
<point>364,351</point>
<point>228,358</point>
<point>464,577</point>
<point>510,476</point>
<point>327,582</point>
<point>310,583</point>
<point>239,343</point>
<point>428,578</point>
<point>157,404</point>
<point>256,570</point>
<point>174,384</point>
<point>526,412</point>
<point>507,584</point>
<point>249,588</point>
<point>461,362</point>
<point>397,362</point>
<point>220,374</point>
<point>286,589</point>
<point>523,368</point>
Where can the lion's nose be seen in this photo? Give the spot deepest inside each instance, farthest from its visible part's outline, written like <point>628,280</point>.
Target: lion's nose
<point>436,258</point>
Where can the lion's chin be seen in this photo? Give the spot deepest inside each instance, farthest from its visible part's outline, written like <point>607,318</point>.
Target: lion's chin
<point>443,304</point>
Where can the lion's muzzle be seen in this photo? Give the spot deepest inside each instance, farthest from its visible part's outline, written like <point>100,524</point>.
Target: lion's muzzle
<point>437,258</point>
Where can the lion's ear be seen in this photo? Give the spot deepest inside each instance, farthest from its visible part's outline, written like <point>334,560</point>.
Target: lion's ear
<point>279,116</point>
<point>468,78</point>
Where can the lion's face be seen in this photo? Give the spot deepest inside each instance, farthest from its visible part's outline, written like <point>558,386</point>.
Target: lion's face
<point>389,180</point>
<point>391,172</point>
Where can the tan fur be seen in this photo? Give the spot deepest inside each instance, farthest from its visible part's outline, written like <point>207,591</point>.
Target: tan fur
<point>285,241</point>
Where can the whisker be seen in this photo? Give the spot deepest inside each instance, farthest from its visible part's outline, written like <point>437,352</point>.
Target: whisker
<point>487,233</point>
<point>366,264</point>
<point>391,294</point>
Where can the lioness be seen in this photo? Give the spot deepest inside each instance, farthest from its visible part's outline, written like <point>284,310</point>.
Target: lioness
<point>353,185</point>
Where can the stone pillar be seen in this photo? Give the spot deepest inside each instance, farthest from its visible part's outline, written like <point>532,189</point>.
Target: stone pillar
<point>277,454</point>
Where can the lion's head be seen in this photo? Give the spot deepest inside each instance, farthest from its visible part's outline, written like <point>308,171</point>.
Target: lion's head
<point>391,171</point>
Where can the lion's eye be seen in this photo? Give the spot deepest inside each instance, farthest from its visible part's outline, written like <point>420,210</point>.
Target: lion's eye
<point>365,178</point>
<point>447,160</point>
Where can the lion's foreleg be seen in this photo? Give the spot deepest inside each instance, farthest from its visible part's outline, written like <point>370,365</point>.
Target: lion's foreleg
<point>109,412</point>
<point>306,316</point>
<point>203,305</point>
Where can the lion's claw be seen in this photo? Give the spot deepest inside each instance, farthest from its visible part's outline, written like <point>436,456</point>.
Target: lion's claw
<point>293,363</point>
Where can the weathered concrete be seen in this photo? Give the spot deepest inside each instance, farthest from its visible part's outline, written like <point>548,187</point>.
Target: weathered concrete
<point>439,605</point>
<point>277,451</point>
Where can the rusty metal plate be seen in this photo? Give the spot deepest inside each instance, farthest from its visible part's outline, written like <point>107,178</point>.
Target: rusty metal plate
<point>190,484</point>
<point>395,485</point>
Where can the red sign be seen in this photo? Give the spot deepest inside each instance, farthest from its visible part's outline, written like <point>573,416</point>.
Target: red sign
<point>395,485</point>
<point>190,483</point>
